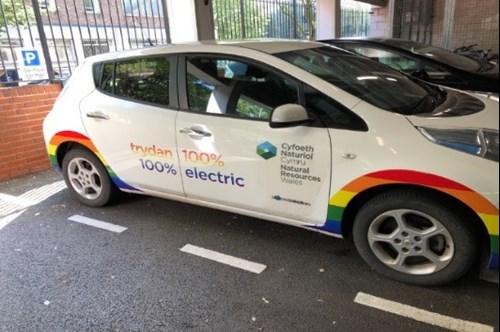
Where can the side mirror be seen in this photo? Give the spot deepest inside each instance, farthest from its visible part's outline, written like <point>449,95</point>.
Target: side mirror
<point>289,115</point>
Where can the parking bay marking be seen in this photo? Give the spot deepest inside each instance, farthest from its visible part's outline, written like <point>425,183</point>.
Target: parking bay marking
<point>98,224</point>
<point>12,207</point>
<point>421,315</point>
<point>224,259</point>
<point>10,204</point>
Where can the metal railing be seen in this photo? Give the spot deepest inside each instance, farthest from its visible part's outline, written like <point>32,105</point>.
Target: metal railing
<point>242,19</point>
<point>68,31</point>
<point>293,19</point>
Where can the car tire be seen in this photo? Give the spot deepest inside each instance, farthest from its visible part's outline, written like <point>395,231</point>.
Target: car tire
<point>87,178</point>
<point>411,237</point>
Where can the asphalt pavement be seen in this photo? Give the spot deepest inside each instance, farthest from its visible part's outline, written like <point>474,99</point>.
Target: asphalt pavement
<point>147,264</point>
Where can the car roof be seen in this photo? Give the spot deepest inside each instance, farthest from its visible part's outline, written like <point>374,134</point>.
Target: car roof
<point>268,46</point>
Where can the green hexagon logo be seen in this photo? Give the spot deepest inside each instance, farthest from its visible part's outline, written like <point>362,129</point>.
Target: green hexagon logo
<point>266,150</point>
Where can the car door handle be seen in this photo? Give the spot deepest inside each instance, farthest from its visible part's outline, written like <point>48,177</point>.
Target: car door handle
<point>195,132</point>
<point>98,115</point>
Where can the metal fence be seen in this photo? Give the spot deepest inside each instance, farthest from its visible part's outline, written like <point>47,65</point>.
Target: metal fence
<point>240,19</point>
<point>67,31</point>
<point>294,19</point>
<point>413,20</point>
<point>354,19</point>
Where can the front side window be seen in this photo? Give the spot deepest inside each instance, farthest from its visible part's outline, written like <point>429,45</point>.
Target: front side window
<point>368,80</point>
<point>143,80</point>
<point>236,88</point>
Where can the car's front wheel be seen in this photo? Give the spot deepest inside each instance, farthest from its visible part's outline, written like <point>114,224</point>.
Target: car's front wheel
<point>87,178</point>
<point>410,237</point>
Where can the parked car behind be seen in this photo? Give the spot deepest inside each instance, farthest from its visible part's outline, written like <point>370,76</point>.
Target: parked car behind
<point>430,63</point>
<point>300,133</point>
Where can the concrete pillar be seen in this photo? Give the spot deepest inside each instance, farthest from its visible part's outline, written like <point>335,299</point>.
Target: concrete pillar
<point>182,19</point>
<point>190,20</point>
<point>328,19</point>
<point>205,19</point>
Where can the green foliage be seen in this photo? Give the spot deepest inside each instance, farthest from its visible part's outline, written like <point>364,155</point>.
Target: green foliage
<point>14,12</point>
<point>239,19</point>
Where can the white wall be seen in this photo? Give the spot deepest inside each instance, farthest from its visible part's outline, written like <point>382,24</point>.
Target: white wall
<point>182,16</point>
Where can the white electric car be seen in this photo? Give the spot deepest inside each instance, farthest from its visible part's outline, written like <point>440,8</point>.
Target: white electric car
<point>294,132</point>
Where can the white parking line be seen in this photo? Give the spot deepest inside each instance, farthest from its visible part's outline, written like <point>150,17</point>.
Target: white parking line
<point>420,315</point>
<point>224,259</point>
<point>12,207</point>
<point>10,204</point>
<point>98,224</point>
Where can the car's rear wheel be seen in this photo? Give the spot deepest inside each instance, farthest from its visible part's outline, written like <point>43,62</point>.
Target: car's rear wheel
<point>87,178</point>
<point>410,237</point>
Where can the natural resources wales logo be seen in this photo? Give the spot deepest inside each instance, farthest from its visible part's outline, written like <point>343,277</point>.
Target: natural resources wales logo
<point>266,150</point>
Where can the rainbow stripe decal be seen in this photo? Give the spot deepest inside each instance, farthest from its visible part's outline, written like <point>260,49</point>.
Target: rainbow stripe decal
<point>71,136</point>
<point>484,209</point>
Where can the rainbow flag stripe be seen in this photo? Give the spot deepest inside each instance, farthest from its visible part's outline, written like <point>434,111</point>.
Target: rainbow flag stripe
<point>484,209</point>
<point>71,136</point>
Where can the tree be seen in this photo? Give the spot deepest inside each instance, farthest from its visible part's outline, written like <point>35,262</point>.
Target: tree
<point>237,19</point>
<point>295,19</point>
<point>15,12</point>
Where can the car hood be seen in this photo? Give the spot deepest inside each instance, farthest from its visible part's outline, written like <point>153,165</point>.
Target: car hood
<point>461,110</point>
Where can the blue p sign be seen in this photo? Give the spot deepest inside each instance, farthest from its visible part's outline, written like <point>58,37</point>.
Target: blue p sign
<point>31,58</point>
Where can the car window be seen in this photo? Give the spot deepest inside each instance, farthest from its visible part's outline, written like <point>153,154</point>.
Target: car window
<point>145,80</point>
<point>436,54</point>
<point>331,112</point>
<point>391,59</point>
<point>236,88</point>
<point>368,80</point>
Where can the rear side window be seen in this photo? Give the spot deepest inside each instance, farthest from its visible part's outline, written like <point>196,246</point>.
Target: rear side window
<point>144,80</point>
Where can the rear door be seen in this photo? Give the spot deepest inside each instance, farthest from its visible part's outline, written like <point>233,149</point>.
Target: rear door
<point>130,119</point>
<point>228,153</point>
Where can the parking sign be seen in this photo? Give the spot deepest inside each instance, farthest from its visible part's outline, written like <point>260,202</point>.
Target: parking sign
<point>31,64</point>
<point>31,58</point>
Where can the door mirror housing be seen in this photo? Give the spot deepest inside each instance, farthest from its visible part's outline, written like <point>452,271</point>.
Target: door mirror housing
<point>289,115</point>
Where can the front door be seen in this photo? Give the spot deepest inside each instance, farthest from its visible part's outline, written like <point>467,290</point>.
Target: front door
<point>228,153</point>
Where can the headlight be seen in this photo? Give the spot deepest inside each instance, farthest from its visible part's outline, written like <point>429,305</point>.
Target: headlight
<point>479,142</point>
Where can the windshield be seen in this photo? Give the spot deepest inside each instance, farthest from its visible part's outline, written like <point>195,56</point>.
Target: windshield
<point>437,54</point>
<point>368,80</point>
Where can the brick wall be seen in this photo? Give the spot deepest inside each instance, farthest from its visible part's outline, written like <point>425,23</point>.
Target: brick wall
<point>22,110</point>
